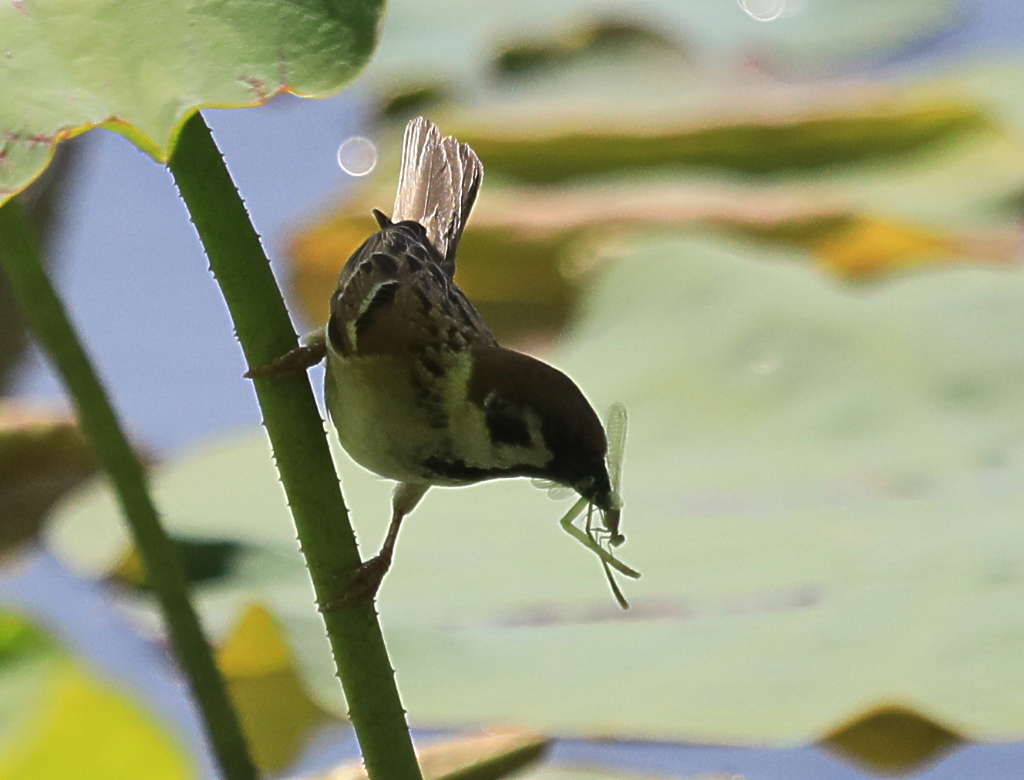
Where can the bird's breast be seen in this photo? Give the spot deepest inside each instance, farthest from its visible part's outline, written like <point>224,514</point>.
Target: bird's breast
<point>392,423</point>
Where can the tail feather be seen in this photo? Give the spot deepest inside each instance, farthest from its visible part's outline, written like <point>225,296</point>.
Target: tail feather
<point>437,185</point>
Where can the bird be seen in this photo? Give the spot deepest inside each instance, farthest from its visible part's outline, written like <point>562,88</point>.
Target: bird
<point>417,387</point>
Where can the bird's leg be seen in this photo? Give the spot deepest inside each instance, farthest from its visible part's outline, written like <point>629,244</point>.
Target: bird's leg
<point>310,352</point>
<point>368,576</point>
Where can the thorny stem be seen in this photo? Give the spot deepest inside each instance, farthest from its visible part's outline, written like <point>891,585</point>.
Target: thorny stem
<point>304,463</point>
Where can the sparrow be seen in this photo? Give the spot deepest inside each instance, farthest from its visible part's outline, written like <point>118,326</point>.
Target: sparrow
<point>417,387</point>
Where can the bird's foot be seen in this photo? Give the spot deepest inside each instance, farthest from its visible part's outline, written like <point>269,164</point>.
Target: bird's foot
<point>291,363</point>
<point>363,585</point>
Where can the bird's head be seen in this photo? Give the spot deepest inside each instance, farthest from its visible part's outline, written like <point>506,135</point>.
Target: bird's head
<point>526,401</point>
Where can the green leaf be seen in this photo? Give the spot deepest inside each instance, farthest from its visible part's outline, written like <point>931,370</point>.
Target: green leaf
<point>942,147</point>
<point>203,559</point>
<point>947,198</point>
<point>57,720</point>
<point>742,146</point>
<point>821,493</point>
<point>870,180</point>
<point>142,68</point>
<point>422,43</point>
<point>865,140</point>
<point>42,458</point>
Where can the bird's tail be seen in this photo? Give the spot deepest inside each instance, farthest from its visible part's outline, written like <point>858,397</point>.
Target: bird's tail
<point>437,185</point>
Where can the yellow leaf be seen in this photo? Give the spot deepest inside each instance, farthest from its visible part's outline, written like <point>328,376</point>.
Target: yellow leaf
<point>866,246</point>
<point>84,729</point>
<point>277,714</point>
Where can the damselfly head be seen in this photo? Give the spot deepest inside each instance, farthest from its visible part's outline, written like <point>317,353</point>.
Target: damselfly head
<point>602,497</point>
<point>610,519</point>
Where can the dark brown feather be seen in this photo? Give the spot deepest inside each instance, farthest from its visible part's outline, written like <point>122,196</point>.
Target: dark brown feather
<point>393,298</point>
<point>505,382</point>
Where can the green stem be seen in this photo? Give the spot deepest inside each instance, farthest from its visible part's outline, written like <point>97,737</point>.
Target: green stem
<point>20,257</point>
<point>304,462</point>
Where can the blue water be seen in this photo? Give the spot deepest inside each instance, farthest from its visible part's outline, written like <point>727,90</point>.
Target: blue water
<point>135,253</point>
<point>993,26</point>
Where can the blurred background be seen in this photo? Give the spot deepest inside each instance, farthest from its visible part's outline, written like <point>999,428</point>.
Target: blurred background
<point>785,233</point>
